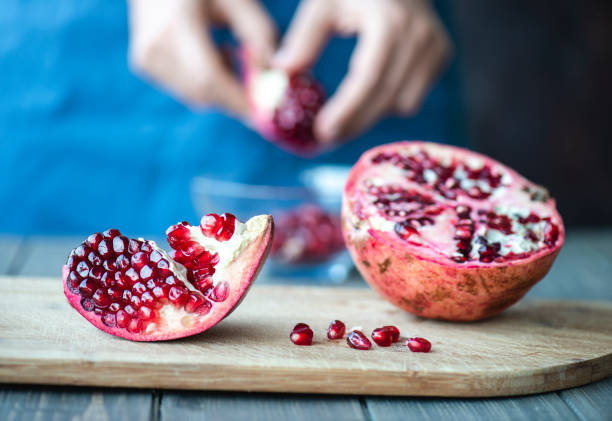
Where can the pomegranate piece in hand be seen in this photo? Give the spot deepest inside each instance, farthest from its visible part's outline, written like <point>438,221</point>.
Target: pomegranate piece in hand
<point>446,233</point>
<point>336,330</point>
<point>283,107</point>
<point>418,345</point>
<point>133,289</point>
<point>301,334</point>
<point>357,340</point>
<point>306,234</point>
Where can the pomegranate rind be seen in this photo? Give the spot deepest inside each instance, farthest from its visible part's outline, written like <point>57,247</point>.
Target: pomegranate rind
<point>241,274</point>
<point>261,119</point>
<point>430,285</point>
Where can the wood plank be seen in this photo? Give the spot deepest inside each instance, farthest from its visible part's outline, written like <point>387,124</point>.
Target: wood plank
<point>188,406</point>
<point>581,271</point>
<point>18,403</point>
<point>592,402</point>
<point>533,347</point>
<point>546,406</point>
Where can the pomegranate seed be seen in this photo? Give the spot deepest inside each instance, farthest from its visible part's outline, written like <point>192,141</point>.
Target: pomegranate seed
<point>109,319</point>
<point>94,239</point>
<point>130,311</point>
<point>301,334</point>
<point>155,256</point>
<point>120,244</point>
<point>211,224</point>
<point>146,247</point>
<point>163,268</point>
<point>146,272</point>
<point>111,233</point>
<point>104,249</point>
<point>87,287</point>
<point>94,259</point>
<point>148,299</point>
<point>145,313</point>
<point>122,262</point>
<point>87,304</point>
<point>127,296</point>
<point>73,282</point>
<point>357,340</point>
<point>122,319</point>
<point>336,330</point>
<point>178,234</point>
<point>139,260</point>
<point>382,337</point>
<point>134,246</point>
<point>114,307</point>
<point>132,275</point>
<point>96,273</point>
<point>135,301</point>
<point>115,294</point>
<point>101,299</point>
<point>195,300</point>
<point>192,249</point>
<point>134,326</point>
<point>418,345</point>
<point>139,288</point>
<point>83,269</point>
<point>394,331</point>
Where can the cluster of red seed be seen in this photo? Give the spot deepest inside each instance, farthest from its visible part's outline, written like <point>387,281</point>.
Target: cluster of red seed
<point>294,116</point>
<point>200,263</point>
<point>125,281</point>
<point>384,336</point>
<point>315,232</point>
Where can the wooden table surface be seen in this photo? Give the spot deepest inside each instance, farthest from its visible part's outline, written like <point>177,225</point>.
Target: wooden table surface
<point>583,270</point>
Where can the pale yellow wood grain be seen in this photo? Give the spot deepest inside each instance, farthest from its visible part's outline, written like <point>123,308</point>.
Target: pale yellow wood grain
<point>534,347</point>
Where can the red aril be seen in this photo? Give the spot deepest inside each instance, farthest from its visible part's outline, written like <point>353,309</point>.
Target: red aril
<point>283,106</point>
<point>418,345</point>
<point>447,233</point>
<point>382,337</point>
<point>301,334</point>
<point>336,330</point>
<point>133,289</point>
<point>393,332</point>
<point>357,340</point>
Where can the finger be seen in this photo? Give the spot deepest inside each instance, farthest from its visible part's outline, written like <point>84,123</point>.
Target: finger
<point>306,35</point>
<point>252,26</point>
<point>366,70</point>
<point>417,83</point>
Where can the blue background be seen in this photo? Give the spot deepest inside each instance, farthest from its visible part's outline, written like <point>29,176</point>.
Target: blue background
<point>87,145</point>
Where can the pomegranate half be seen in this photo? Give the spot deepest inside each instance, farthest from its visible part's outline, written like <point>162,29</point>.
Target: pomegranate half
<point>446,233</point>
<point>133,289</point>
<point>283,106</point>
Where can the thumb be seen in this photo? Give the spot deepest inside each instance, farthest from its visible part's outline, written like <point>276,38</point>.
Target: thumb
<point>306,36</point>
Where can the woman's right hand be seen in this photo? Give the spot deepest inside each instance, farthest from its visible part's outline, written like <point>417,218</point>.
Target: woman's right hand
<point>170,44</point>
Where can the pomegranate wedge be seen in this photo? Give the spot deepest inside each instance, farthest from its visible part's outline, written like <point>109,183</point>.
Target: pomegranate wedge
<point>133,289</point>
<point>447,233</point>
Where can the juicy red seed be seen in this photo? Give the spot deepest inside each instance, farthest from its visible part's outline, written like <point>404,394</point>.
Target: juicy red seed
<point>73,282</point>
<point>134,326</point>
<point>114,294</point>
<point>151,283</point>
<point>134,246</point>
<point>146,272</point>
<point>204,260</point>
<point>106,280</point>
<point>111,233</point>
<point>139,288</point>
<point>139,260</point>
<point>161,292</point>
<point>177,234</point>
<point>178,295</point>
<point>88,287</point>
<point>114,307</point>
<point>130,310</point>
<point>211,224</point>
<point>122,319</point>
<point>163,268</point>
<point>193,302</point>
<point>122,262</point>
<point>81,251</point>
<point>71,262</point>
<point>104,249</point>
<point>336,330</point>
<point>146,247</point>
<point>228,227</point>
<point>96,273</point>
<point>94,259</point>
<point>418,345</point>
<point>94,239</point>
<point>171,280</point>
<point>394,331</point>
<point>87,304</point>
<point>132,275</point>
<point>551,234</point>
<point>135,301</point>
<point>357,340</point>
<point>110,265</point>
<point>120,244</point>
<point>192,249</point>
<point>148,299</point>
<point>145,313</point>
<point>220,292</point>
<point>109,320</point>
<point>301,334</point>
<point>83,269</point>
<point>155,256</point>
<point>127,296</point>
<point>382,337</point>
<point>404,229</point>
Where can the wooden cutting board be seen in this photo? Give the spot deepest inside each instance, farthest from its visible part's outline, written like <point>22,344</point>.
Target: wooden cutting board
<point>536,346</point>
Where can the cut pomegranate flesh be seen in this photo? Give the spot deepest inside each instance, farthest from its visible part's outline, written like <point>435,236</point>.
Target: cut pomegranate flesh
<point>306,234</point>
<point>283,106</point>
<point>418,345</point>
<point>357,340</point>
<point>451,224</point>
<point>133,289</point>
<point>336,330</point>
<point>301,334</point>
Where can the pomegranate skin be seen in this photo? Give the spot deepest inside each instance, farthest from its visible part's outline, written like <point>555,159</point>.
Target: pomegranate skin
<point>434,286</point>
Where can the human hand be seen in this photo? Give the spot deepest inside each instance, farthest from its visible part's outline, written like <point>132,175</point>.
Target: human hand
<point>170,44</point>
<point>402,47</point>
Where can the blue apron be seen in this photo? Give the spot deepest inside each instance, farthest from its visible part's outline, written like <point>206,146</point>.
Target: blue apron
<point>87,145</point>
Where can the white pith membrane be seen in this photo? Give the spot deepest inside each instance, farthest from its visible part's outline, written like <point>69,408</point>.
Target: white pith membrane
<point>513,197</point>
<point>170,319</point>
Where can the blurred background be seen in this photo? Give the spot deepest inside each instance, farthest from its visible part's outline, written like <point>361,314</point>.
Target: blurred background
<point>87,145</point>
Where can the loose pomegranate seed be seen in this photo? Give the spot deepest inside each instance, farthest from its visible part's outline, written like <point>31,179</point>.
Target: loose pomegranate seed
<point>357,340</point>
<point>418,344</point>
<point>220,227</point>
<point>301,334</point>
<point>336,330</point>
<point>382,337</point>
<point>178,234</point>
<point>394,331</point>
